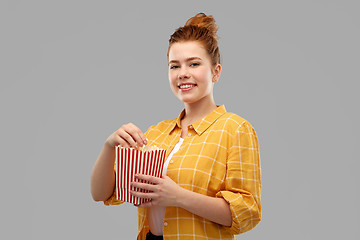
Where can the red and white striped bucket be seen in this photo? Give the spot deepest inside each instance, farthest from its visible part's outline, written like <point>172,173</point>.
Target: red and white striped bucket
<point>129,162</point>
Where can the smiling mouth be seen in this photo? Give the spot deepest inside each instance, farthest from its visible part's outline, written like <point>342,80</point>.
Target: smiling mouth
<point>187,86</point>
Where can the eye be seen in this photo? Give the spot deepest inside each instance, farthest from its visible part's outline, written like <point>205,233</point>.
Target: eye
<point>174,66</point>
<point>195,64</point>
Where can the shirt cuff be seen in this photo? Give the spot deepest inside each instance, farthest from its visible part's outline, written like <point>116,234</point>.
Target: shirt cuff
<point>112,200</point>
<point>245,214</point>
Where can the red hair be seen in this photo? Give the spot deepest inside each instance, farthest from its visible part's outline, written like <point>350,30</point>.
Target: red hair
<point>199,28</point>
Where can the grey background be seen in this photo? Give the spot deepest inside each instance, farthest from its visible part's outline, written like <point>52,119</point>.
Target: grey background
<point>72,72</point>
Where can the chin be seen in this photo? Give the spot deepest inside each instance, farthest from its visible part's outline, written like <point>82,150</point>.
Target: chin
<point>187,100</point>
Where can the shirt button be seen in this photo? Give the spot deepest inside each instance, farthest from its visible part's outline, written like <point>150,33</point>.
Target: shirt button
<point>171,161</point>
<point>189,134</point>
<point>165,224</point>
<point>191,127</point>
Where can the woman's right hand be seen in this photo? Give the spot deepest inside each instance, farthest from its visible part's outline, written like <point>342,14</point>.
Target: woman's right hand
<point>102,176</point>
<point>128,135</point>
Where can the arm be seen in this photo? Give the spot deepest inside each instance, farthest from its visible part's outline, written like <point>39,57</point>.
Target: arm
<point>103,175</point>
<point>200,204</point>
<point>165,192</point>
<point>243,180</point>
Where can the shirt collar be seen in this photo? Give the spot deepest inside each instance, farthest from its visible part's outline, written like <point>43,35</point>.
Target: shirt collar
<point>203,124</point>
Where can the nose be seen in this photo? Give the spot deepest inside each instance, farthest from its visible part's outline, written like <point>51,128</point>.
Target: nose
<point>183,73</point>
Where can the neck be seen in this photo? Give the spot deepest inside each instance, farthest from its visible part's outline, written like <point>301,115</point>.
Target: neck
<point>198,110</point>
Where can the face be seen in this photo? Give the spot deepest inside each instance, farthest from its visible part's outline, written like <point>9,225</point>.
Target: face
<point>191,73</point>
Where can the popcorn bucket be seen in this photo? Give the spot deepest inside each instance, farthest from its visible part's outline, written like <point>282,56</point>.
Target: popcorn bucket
<point>129,161</point>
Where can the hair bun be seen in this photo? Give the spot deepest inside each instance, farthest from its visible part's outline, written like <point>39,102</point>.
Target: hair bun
<point>199,28</point>
<point>203,21</point>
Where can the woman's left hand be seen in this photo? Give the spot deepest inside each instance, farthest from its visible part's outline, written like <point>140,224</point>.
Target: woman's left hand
<point>162,191</point>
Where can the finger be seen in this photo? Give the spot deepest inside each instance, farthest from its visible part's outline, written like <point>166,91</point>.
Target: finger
<point>121,141</point>
<point>127,138</point>
<point>124,143</point>
<point>130,135</point>
<point>144,186</point>
<point>143,195</point>
<point>142,138</point>
<point>148,178</point>
<point>136,133</point>
<point>138,139</point>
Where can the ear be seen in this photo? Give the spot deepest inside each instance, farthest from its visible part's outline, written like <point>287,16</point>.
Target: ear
<point>216,74</point>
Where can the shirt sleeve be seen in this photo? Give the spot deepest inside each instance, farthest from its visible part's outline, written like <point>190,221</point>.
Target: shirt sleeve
<point>243,180</point>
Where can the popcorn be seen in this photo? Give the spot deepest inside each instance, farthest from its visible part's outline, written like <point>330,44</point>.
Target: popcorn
<point>148,148</point>
<point>148,160</point>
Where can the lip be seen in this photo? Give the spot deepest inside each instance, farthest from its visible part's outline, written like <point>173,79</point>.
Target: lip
<point>186,89</point>
<point>186,83</point>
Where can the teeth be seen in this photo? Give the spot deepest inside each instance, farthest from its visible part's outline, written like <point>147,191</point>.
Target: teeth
<point>186,86</point>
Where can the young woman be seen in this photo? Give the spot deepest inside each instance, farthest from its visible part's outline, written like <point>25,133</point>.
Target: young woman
<point>212,179</point>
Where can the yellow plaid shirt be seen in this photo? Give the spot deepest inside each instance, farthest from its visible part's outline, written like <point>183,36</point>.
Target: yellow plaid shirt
<point>219,158</point>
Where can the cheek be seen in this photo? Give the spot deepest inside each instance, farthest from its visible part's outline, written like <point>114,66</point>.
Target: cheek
<point>172,79</point>
<point>203,76</point>
<point>172,76</point>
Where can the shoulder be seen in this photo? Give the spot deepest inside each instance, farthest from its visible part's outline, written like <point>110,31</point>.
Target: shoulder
<point>239,130</point>
<point>234,122</point>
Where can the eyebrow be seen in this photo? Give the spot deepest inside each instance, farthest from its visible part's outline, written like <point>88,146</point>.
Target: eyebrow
<point>187,60</point>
